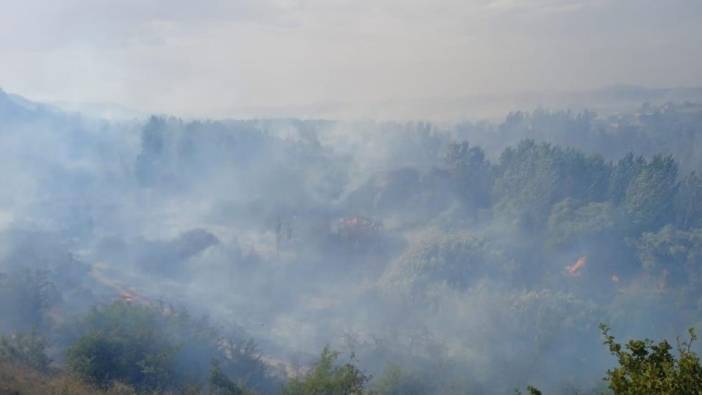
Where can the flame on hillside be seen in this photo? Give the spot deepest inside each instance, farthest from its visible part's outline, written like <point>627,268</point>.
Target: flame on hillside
<point>575,269</point>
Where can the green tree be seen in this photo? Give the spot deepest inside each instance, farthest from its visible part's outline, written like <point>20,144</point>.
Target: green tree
<point>532,177</point>
<point>125,343</point>
<point>531,390</point>
<point>28,349</point>
<point>220,383</point>
<point>472,173</point>
<point>676,253</point>
<point>329,378</point>
<point>650,196</point>
<point>571,221</point>
<point>688,210</point>
<point>649,368</point>
<point>26,296</point>
<point>457,258</point>
<point>623,173</point>
<point>156,347</point>
<point>396,382</point>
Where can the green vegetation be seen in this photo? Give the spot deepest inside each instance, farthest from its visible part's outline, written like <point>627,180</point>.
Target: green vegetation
<point>26,349</point>
<point>327,377</point>
<point>447,266</point>
<point>136,357</point>
<point>159,349</point>
<point>18,379</point>
<point>26,295</point>
<point>395,381</point>
<point>220,384</point>
<point>649,368</point>
<point>123,343</point>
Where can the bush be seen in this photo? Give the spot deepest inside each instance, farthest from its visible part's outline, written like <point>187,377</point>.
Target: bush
<point>123,343</point>
<point>329,378</point>
<point>28,349</point>
<point>16,379</point>
<point>26,296</point>
<point>396,382</point>
<point>155,348</point>
<point>220,384</point>
<point>646,367</point>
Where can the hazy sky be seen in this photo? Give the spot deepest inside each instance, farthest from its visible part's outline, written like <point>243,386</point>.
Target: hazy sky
<point>217,57</point>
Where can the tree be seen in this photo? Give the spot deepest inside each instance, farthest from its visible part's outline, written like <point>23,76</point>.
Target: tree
<point>153,151</point>
<point>676,253</point>
<point>156,347</point>
<point>28,349</point>
<point>688,210</point>
<point>622,174</point>
<point>571,222</point>
<point>125,343</point>
<point>650,196</point>
<point>457,259</point>
<point>26,295</point>
<point>220,384</point>
<point>396,382</point>
<point>531,390</point>
<point>649,368</point>
<point>329,378</point>
<point>532,177</point>
<point>472,173</point>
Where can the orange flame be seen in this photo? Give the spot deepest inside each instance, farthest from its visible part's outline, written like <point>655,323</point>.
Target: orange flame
<point>129,297</point>
<point>574,269</point>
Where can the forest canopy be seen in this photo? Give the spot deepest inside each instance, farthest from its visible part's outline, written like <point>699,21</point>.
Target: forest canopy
<point>342,257</point>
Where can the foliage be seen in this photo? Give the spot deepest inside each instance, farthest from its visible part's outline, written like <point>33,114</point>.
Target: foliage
<point>672,253</point>
<point>571,221</point>
<point>646,367</point>
<point>531,390</point>
<point>123,342</point>
<point>688,210</point>
<point>456,259</point>
<point>16,379</point>
<point>157,347</point>
<point>329,378</point>
<point>634,219</point>
<point>220,384</point>
<point>532,177</point>
<point>394,381</point>
<point>472,172</point>
<point>623,173</point>
<point>649,198</point>
<point>27,349</point>
<point>26,295</point>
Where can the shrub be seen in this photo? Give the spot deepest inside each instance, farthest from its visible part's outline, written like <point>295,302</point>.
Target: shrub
<point>220,384</point>
<point>28,349</point>
<point>646,367</point>
<point>329,378</point>
<point>123,343</point>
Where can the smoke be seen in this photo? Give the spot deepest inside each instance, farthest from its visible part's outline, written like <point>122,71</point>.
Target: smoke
<point>354,234</point>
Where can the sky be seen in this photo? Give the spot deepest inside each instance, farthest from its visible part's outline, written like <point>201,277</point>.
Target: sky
<point>217,58</point>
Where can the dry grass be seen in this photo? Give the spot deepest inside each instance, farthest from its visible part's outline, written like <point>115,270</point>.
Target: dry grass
<point>19,380</point>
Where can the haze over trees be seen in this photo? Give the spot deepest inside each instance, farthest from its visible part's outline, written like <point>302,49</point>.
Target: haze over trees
<point>336,257</point>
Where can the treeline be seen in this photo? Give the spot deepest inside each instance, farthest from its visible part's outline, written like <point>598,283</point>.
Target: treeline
<point>127,349</point>
<point>440,257</point>
<point>530,179</point>
<point>630,217</point>
<point>671,129</point>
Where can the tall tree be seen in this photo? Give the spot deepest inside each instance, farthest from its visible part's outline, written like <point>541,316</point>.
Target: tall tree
<point>649,198</point>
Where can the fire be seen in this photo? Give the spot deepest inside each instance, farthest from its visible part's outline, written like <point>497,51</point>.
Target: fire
<point>129,297</point>
<point>574,269</point>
